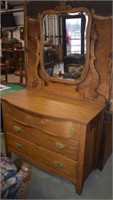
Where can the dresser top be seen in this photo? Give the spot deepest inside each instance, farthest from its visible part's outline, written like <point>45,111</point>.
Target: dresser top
<point>49,105</point>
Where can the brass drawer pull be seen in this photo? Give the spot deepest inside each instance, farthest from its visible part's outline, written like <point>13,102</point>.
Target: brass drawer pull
<point>42,123</point>
<point>28,117</point>
<point>58,164</point>
<point>9,110</point>
<point>18,145</point>
<point>16,129</point>
<point>59,145</point>
<point>72,131</point>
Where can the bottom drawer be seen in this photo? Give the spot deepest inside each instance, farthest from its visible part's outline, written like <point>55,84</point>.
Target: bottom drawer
<point>39,155</point>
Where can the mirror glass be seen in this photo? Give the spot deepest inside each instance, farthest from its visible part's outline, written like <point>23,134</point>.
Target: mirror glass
<point>64,45</point>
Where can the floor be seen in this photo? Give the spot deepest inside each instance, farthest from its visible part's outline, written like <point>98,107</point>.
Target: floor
<point>47,186</point>
<point>15,79</point>
<point>12,78</point>
<point>97,186</point>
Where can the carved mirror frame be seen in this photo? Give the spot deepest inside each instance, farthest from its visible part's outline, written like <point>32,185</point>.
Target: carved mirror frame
<point>64,10</point>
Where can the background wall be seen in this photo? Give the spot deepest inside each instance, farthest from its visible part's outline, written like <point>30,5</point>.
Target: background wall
<point>101,7</point>
<point>15,31</point>
<point>19,18</point>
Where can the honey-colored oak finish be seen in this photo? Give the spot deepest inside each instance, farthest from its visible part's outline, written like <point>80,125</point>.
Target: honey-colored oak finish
<point>56,125</point>
<point>57,134</point>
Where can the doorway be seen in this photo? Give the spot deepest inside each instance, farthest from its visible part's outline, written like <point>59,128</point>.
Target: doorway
<point>74,34</point>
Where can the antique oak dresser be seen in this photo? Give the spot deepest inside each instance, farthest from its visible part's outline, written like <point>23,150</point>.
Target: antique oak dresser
<point>56,123</point>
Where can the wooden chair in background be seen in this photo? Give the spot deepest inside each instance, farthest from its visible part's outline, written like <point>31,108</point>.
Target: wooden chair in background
<point>21,74</point>
<point>4,66</point>
<point>21,70</point>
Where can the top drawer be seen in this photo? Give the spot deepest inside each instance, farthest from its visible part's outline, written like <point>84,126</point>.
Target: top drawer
<point>18,114</point>
<point>55,127</point>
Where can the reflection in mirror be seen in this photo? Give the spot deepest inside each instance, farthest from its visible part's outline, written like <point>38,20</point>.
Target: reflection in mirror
<point>64,44</point>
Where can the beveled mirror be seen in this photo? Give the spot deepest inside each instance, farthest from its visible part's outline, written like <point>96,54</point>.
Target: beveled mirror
<point>65,44</point>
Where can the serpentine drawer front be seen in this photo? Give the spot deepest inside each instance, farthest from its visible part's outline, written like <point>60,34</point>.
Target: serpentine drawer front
<point>18,114</point>
<point>31,133</point>
<point>56,134</point>
<point>66,129</point>
<point>43,156</point>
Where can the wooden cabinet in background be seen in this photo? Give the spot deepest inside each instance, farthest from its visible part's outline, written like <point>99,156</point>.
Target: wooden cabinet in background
<point>13,57</point>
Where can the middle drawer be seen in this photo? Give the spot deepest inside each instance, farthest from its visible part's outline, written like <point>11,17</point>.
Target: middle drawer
<point>63,146</point>
<point>42,157</point>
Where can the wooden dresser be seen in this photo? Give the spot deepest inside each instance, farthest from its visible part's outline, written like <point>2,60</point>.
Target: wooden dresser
<point>56,122</point>
<point>56,134</point>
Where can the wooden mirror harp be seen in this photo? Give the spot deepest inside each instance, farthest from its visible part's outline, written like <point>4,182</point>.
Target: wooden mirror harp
<point>54,51</point>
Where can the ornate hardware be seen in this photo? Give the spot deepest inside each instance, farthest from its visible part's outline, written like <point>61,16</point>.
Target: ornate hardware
<point>28,117</point>
<point>16,128</point>
<point>63,8</point>
<point>42,123</point>
<point>9,110</point>
<point>18,145</point>
<point>60,145</point>
<point>72,131</point>
<point>58,164</point>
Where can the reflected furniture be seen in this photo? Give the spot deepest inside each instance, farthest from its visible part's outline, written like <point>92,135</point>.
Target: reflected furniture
<point>50,59</point>
<point>55,123</point>
<point>76,60</point>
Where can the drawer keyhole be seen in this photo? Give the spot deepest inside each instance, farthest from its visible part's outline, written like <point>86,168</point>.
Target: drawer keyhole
<point>42,123</point>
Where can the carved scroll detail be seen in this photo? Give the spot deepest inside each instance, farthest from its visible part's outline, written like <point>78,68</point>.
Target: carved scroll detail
<point>35,67</point>
<point>95,81</point>
<point>107,93</point>
<point>100,17</point>
<point>110,79</point>
<point>65,8</point>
